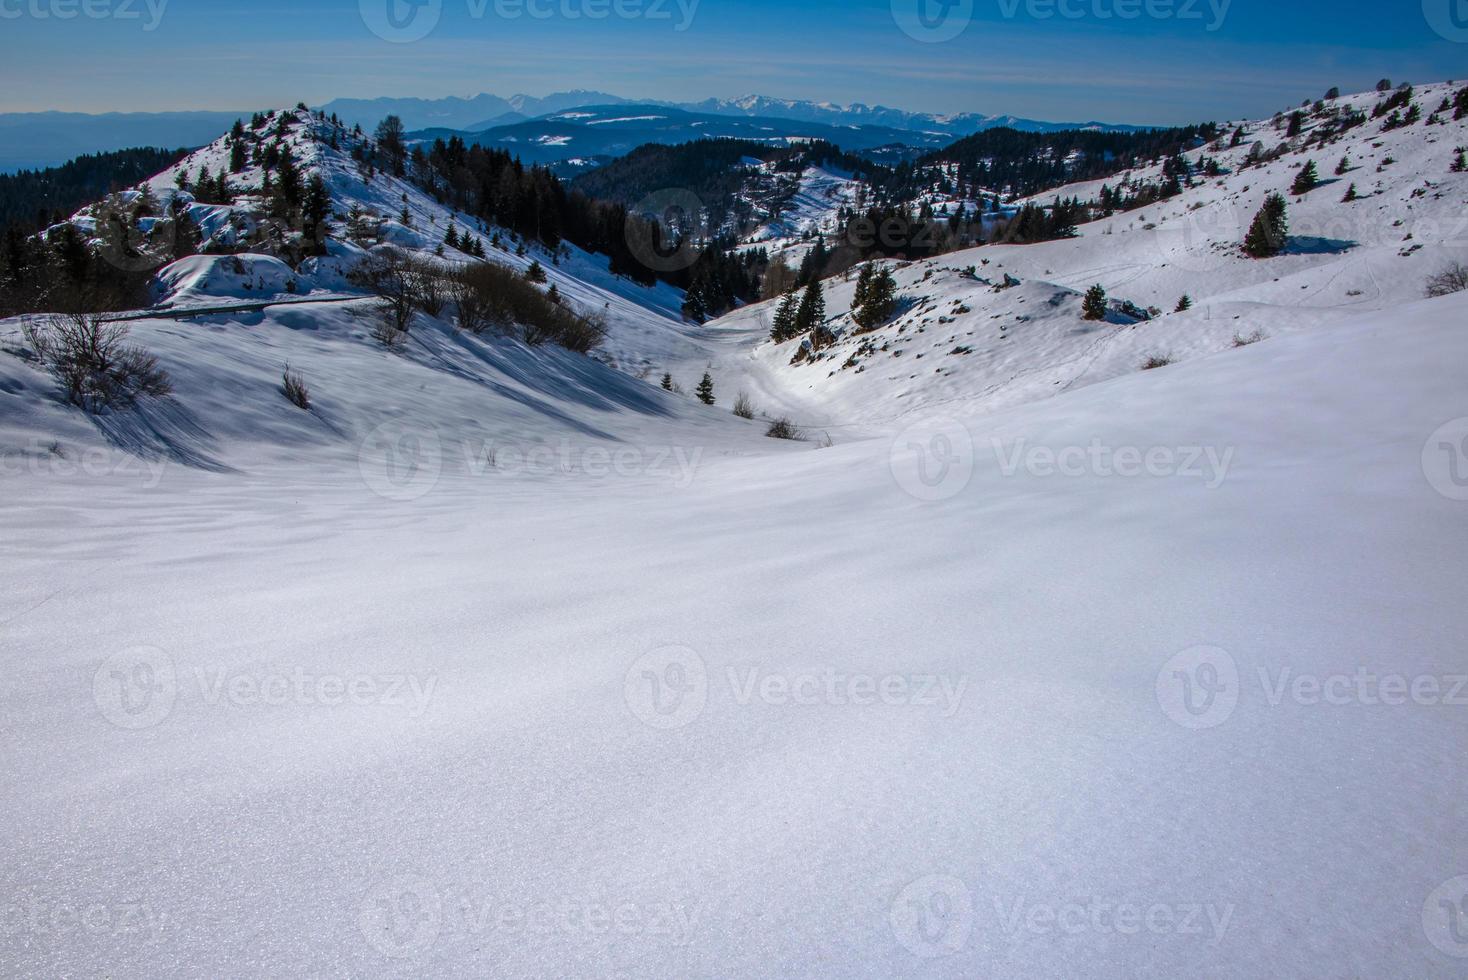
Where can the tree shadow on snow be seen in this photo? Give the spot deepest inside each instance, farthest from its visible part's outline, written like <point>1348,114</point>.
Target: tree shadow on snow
<point>159,428</point>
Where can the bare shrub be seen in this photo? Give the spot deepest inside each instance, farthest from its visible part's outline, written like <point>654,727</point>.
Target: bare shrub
<point>783,428</point>
<point>393,277</point>
<point>744,406</point>
<point>93,362</point>
<point>1242,341</point>
<point>294,387</point>
<point>1156,361</point>
<point>488,295</point>
<point>1453,279</point>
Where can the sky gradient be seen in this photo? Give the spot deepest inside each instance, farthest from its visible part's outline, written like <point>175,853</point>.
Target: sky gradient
<point>1134,61</point>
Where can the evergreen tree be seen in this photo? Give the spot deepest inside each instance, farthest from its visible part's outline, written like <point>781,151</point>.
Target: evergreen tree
<point>1350,195</point>
<point>451,237</point>
<point>1094,305</point>
<point>1307,179</point>
<point>316,208</point>
<point>705,390</point>
<point>784,326</point>
<point>237,154</point>
<point>876,292</point>
<point>534,272</point>
<point>1184,304</point>
<point>1343,166</point>
<point>812,310</point>
<point>1460,162</point>
<point>667,382</point>
<point>1269,231</point>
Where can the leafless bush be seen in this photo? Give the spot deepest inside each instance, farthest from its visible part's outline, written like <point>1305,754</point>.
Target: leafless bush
<point>394,278</point>
<point>488,295</point>
<point>783,428</point>
<point>1453,279</point>
<point>94,364</point>
<point>1156,361</point>
<point>1242,341</point>
<point>294,387</point>
<point>744,406</point>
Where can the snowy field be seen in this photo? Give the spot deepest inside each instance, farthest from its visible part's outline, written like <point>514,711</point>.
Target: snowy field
<point>503,661</point>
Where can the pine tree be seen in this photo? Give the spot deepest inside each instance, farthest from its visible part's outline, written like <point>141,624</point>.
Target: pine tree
<point>667,382</point>
<point>534,272</point>
<point>553,294</point>
<point>1269,230</point>
<point>876,297</point>
<point>812,310</point>
<point>1460,162</point>
<point>705,389</point>
<point>1343,166</point>
<point>316,208</point>
<point>237,153</point>
<point>1094,305</point>
<point>784,326</point>
<point>451,237</point>
<point>1307,179</point>
<point>1350,195</point>
<point>1184,304</point>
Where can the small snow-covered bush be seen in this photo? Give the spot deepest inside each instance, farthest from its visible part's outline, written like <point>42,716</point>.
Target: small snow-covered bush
<point>744,406</point>
<point>93,362</point>
<point>294,387</point>
<point>783,428</point>
<point>1156,361</point>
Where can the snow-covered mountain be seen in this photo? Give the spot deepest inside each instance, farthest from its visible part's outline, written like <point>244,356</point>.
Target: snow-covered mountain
<point>502,660</point>
<point>857,114</point>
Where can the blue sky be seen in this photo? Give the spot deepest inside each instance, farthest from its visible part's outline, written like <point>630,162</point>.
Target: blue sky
<point>1171,61</point>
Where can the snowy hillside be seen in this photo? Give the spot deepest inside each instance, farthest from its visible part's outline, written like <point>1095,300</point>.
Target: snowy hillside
<point>496,659</point>
<point>964,338</point>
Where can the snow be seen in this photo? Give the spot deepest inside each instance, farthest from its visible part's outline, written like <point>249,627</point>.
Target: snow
<point>503,661</point>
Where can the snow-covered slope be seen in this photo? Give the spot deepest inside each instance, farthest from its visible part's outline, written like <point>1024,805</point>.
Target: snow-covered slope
<point>502,661</point>
<point>281,722</point>
<point>965,339</point>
